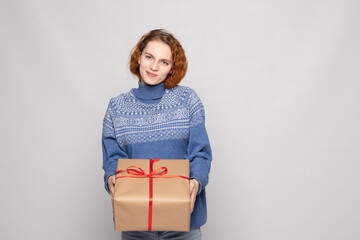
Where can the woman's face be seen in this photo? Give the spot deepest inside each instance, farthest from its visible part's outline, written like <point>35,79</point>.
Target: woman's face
<point>155,62</point>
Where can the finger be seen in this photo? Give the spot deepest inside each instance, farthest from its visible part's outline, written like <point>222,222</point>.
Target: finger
<point>192,195</point>
<point>191,186</point>
<point>113,180</point>
<point>111,193</point>
<point>111,187</point>
<point>192,201</point>
<point>109,181</point>
<point>196,185</point>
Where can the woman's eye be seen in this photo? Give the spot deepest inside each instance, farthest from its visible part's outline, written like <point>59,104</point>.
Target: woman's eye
<point>165,63</point>
<point>148,57</point>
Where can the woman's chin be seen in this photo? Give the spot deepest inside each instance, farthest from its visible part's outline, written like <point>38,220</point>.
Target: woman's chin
<point>150,82</point>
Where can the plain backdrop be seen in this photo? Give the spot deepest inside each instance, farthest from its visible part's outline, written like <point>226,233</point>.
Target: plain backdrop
<point>280,82</point>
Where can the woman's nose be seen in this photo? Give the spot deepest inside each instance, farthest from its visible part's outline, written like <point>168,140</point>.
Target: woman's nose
<point>154,66</point>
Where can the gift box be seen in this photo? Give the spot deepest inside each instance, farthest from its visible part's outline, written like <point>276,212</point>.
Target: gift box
<point>152,195</point>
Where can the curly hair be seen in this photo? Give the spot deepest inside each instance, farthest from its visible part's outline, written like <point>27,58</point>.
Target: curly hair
<point>179,61</point>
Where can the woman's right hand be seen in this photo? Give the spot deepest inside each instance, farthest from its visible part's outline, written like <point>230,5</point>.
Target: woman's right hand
<point>111,185</point>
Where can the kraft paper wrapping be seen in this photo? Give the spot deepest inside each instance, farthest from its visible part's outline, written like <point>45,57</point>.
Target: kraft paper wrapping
<point>171,197</point>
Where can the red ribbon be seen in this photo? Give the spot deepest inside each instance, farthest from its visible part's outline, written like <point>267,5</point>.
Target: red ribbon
<point>136,172</point>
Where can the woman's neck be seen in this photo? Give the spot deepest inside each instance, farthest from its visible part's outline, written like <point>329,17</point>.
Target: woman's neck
<point>149,93</point>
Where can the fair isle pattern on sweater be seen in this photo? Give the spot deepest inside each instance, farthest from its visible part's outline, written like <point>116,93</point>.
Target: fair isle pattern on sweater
<point>131,121</point>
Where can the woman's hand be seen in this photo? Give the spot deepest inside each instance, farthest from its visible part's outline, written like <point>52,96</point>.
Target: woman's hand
<point>194,188</point>
<point>111,185</point>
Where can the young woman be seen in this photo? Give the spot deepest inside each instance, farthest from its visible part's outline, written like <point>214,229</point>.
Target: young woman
<point>159,119</point>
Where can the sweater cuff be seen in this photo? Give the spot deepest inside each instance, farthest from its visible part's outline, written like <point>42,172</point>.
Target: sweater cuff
<point>200,180</point>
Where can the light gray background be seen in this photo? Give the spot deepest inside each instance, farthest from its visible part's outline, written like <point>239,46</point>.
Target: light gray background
<point>279,81</point>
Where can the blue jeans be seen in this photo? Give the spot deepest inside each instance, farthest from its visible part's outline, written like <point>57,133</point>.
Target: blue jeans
<point>194,234</point>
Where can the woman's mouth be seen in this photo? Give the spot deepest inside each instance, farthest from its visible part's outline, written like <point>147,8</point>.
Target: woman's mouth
<point>150,74</point>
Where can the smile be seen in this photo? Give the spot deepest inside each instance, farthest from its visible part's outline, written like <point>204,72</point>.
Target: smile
<point>150,74</point>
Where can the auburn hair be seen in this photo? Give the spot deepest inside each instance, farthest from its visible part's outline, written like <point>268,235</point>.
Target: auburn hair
<point>179,61</point>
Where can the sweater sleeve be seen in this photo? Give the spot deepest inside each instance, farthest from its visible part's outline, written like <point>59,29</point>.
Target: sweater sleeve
<point>199,151</point>
<point>111,149</point>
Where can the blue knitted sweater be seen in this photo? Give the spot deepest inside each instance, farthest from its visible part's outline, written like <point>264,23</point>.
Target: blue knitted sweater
<point>155,122</point>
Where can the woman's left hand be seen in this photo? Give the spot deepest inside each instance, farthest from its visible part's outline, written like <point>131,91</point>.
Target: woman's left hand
<point>194,188</point>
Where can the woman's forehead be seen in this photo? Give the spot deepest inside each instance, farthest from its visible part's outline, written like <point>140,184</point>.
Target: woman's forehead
<point>158,49</point>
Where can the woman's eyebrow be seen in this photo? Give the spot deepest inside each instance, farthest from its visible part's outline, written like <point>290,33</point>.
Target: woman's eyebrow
<point>167,60</point>
<point>164,59</point>
<point>148,53</point>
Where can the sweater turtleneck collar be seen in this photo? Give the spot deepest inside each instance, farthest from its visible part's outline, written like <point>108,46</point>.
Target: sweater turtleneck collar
<point>149,92</point>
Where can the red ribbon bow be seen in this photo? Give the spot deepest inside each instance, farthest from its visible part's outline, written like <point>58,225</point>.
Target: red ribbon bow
<point>136,172</point>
